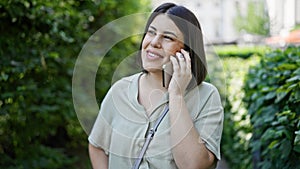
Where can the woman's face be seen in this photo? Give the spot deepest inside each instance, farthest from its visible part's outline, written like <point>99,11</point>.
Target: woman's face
<point>163,39</point>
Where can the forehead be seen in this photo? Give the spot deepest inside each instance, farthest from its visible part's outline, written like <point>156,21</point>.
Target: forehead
<point>163,23</point>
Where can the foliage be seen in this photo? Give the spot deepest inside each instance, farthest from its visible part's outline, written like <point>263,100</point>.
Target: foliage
<point>237,127</point>
<point>278,132</point>
<point>256,21</point>
<point>240,51</point>
<point>39,42</point>
<point>272,96</point>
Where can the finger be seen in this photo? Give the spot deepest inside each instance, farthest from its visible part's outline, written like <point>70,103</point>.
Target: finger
<point>180,56</point>
<point>181,60</point>
<point>175,64</point>
<point>187,59</point>
<point>186,54</point>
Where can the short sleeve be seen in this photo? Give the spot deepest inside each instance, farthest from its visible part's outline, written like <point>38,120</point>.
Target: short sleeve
<point>209,122</point>
<point>100,135</point>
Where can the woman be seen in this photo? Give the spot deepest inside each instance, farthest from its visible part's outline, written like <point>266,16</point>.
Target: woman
<point>189,135</point>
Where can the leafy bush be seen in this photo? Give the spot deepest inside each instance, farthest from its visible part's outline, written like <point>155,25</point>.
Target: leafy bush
<point>237,128</point>
<point>272,97</point>
<point>39,43</point>
<point>240,51</point>
<point>231,74</point>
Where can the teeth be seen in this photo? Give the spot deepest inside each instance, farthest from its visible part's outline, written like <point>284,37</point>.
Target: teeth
<point>152,55</point>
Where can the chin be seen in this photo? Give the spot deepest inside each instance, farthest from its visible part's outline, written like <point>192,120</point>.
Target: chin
<point>153,69</point>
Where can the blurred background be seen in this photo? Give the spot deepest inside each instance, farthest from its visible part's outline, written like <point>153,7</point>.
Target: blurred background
<point>253,56</point>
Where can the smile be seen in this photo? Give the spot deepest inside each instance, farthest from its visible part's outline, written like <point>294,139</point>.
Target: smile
<point>152,55</point>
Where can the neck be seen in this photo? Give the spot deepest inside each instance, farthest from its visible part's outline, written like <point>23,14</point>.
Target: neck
<point>153,80</point>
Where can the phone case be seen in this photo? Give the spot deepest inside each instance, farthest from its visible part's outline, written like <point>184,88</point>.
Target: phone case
<point>167,71</point>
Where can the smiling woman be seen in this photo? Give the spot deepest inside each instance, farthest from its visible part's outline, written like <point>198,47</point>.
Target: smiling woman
<point>162,40</point>
<point>189,135</point>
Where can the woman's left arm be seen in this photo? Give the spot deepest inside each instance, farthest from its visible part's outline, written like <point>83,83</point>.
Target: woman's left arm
<point>189,151</point>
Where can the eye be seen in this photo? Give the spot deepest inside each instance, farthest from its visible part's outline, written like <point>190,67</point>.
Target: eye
<point>168,38</point>
<point>151,32</point>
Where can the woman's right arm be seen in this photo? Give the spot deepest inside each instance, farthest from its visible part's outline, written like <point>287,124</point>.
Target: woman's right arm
<point>98,157</point>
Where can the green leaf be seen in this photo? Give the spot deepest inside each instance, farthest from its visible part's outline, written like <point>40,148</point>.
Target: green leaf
<point>270,95</point>
<point>297,148</point>
<point>285,148</point>
<point>297,138</point>
<point>287,66</point>
<point>297,72</point>
<point>280,96</point>
<point>274,144</point>
<point>268,134</point>
<point>295,78</point>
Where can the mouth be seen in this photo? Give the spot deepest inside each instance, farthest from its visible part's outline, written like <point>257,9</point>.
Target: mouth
<point>153,55</point>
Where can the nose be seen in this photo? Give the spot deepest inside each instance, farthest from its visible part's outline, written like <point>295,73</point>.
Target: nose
<point>156,41</point>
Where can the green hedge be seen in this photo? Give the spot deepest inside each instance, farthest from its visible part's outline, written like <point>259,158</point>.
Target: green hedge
<point>257,127</point>
<point>228,78</point>
<point>39,44</point>
<point>272,97</point>
<point>237,126</point>
<point>240,51</point>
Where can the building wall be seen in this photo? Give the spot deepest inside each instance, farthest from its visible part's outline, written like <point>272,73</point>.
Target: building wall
<point>215,17</point>
<point>297,8</point>
<point>284,15</point>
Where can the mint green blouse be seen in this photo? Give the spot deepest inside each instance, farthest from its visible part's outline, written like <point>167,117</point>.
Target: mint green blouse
<point>122,124</point>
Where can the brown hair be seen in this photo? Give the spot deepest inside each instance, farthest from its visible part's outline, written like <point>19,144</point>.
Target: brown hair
<point>188,24</point>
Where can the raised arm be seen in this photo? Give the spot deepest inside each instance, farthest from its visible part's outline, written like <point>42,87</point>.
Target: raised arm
<point>189,149</point>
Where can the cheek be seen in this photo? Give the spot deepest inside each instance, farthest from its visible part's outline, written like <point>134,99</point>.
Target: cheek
<point>172,49</point>
<point>180,46</point>
<point>145,42</point>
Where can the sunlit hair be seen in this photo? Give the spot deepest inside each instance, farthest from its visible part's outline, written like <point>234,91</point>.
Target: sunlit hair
<point>188,24</point>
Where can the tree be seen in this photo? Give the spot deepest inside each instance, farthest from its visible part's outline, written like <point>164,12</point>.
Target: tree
<point>39,44</point>
<point>256,20</point>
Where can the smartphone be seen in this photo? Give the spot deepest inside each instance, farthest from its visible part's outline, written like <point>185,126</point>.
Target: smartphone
<point>167,72</point>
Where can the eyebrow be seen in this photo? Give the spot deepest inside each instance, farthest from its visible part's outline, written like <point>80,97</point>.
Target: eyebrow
<point>165,32</point>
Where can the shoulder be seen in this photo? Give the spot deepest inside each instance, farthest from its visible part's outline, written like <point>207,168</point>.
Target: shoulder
<point>204,88</point>
<point>203,92</point>
<point>126,81</point>
<point>203,99</point>
<point>131,78</point>
<point>207,87</point>
<point>121,88</point>
<point>124,85</point>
